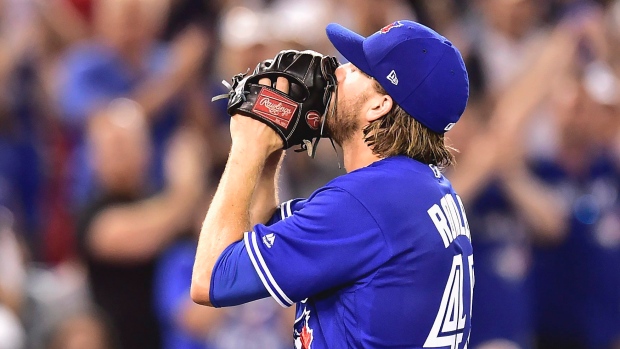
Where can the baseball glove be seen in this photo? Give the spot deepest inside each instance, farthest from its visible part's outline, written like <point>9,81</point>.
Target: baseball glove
<point>298,116</point>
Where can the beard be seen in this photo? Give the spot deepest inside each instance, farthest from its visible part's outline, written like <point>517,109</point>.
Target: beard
<point>342,120</point>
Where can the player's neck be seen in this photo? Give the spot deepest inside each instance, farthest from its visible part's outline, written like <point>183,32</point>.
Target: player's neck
<point>357,154</point>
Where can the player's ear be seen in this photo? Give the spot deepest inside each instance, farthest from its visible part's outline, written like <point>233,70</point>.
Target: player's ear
<point>379,105</point>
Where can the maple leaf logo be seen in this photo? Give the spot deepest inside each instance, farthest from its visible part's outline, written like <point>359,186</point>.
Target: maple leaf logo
<point>389,27</point>
<point>303,333</point>
<point>306,337</point>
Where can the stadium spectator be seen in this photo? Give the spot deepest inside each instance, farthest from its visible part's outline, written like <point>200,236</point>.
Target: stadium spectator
<point>12,280</point>
<point>124,59</point>
<point>85,329</point>
<point>578,282</point>
<point>186,325</point>
<point>510,210</point>
<point>124,229</point>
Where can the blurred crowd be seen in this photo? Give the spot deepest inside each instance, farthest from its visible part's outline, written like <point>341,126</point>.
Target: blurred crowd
<point>110,150</point>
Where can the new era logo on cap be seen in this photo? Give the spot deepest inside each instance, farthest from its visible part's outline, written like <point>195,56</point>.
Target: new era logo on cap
<point>432,84</point>
<point>392,77</point>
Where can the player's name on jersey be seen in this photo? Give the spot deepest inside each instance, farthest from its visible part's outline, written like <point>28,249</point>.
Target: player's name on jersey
<point>449,219</point>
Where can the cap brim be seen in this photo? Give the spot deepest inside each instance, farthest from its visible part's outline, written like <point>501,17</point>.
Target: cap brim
<point>350,45</point>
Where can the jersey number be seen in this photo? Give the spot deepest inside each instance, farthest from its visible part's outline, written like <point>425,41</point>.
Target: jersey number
<point>449,325</point>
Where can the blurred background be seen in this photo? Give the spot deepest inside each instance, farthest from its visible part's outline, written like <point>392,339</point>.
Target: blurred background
<point>110,150</point>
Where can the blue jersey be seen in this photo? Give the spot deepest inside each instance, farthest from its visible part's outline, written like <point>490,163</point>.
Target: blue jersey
<point>578,281</point>
<point>503,274</point>
<point>380,257</point>
<point>171,286</point>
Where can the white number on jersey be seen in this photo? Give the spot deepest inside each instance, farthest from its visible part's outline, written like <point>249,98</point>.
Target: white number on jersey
<point>449,325</point>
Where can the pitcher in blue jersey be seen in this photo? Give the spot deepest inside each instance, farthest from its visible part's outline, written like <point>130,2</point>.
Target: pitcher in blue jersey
<point>380,257</point>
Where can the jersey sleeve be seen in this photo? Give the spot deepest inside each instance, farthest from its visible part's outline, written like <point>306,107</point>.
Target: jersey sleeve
<point>233,280</point>
<point>330,242</point>
<point>286,209</point>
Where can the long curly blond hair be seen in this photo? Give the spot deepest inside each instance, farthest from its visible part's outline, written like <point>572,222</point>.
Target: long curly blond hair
<point>398,133</point>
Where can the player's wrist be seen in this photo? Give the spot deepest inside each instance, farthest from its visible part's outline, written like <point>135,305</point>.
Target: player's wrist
<point>274,160</point>
<point>245,153</point>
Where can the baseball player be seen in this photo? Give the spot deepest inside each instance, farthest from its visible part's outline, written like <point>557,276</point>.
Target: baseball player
<point>379,257</point>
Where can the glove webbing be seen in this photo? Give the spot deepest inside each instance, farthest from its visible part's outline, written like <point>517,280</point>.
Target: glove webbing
<point>311,148</point>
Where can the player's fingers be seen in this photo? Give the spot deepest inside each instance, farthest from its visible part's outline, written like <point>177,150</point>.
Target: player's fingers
<point>282,84</point>
<point>265,81</point>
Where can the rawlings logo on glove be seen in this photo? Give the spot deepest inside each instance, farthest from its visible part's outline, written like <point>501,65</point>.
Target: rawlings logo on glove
<point>298,116</point>
<point>274,107</point>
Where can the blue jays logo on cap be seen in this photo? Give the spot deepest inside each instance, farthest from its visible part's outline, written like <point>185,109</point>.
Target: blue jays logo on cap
<point>421,70</point>
<point>388,27</point>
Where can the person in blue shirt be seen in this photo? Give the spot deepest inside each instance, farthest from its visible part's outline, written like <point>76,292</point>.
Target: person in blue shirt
<point>578,281</point>
<point>511,210</point>
<point>123,61</point>
<point>172,303</point>
<point>379,257</point>
<point>186,325</point>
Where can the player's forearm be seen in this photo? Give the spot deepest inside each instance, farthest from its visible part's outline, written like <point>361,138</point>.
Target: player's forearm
<point>228,216</point>
<point>265,197</point>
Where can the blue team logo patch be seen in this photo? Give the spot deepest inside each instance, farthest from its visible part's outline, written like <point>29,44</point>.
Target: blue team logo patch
<point>302,333</point>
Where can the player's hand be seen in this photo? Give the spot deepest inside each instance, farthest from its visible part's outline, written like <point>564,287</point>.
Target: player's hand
<point>252,133</point>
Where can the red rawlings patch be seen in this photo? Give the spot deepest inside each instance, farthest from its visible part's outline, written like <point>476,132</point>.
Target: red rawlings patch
<point>274,107</point>
<point>389,27</point>
<point>313,119</point>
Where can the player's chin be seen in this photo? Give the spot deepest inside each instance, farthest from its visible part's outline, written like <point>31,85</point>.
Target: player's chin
<point>330,130</point>
<point>341,135</point>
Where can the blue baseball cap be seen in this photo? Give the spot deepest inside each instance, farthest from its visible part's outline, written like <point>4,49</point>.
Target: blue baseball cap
<point>420,69</point>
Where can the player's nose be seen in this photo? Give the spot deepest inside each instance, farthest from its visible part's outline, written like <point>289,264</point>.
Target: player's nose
<point>341,72</point>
